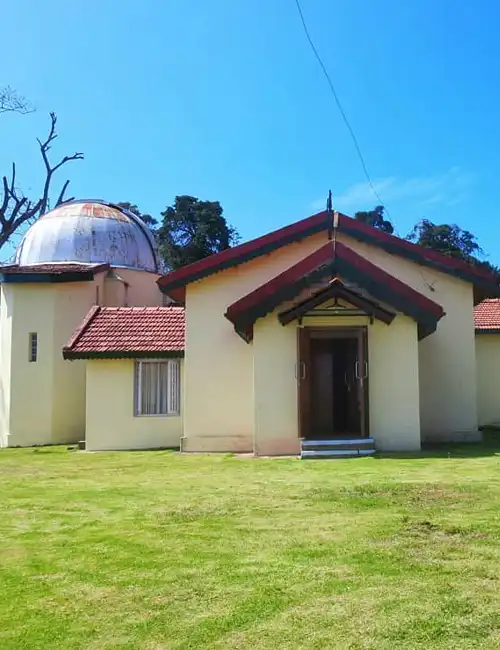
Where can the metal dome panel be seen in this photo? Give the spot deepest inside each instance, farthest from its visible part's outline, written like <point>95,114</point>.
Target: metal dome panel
<point>90,232</point>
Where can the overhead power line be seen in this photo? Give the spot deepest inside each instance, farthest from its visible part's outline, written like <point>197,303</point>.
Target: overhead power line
<point>339,105</point>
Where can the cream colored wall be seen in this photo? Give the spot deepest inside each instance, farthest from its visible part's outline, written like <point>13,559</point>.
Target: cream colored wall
<point>111,423</point>
<point>44,402</point>
<point>6,312</point>
<point>488,378</point>
<point>447,364</point>
<point>218,383</point>
<point>72,303</point>
<point>115,292</point>
<point>393,384</point>
<point>47,397</point>
<point>142,290</point>
<point>31,384</point>
<point>275,388</point>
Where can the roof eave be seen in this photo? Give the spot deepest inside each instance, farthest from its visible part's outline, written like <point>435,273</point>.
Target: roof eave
<point>347,263</point>
<point>175,282</point>
<point>73,355</point>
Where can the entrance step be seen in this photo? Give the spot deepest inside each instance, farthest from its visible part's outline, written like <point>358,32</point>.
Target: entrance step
<point>337,448</point>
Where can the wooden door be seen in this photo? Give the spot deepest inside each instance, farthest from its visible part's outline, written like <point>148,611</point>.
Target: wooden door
<point>318,399</point>
<point>303,374</point>
<point>362,380</point>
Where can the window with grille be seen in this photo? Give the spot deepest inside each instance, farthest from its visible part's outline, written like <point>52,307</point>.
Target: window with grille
<point>33,347</point>
<point>157,387</point>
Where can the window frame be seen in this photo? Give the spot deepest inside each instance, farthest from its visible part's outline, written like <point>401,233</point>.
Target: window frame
<point>139,363</point>
<point>33,347</point>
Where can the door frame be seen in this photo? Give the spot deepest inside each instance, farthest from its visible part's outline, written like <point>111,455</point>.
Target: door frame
<point>303,376</point>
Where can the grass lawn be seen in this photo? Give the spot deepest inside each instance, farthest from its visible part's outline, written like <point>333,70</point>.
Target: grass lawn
<point>156,550</point>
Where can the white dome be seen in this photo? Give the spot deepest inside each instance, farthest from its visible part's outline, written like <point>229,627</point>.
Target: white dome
<point>90,232</point>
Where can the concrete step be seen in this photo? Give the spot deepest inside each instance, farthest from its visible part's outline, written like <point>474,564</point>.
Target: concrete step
<point>337,448</point>
<point>338,443</point>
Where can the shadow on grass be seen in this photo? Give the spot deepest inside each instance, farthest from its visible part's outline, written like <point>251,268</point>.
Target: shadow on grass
<point>489,446</point>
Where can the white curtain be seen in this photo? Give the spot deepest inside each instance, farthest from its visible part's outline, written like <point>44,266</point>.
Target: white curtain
<point>158,387</point>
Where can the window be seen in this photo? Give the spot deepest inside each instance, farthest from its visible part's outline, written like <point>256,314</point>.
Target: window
<point>157,387</point>
<point>33,347</point>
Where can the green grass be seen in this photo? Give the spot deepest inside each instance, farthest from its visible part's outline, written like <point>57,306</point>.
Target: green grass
<point>156,550</point>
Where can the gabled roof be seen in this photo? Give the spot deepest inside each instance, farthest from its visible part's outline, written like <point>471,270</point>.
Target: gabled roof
<point>335,290</point>
<point>487,316</point>
<point>56,272</point>
<point>128,332</point>
<point>325,263</point>
<point>175,283</point>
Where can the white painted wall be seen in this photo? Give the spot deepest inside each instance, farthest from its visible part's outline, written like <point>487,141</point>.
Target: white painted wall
<point>447,359</point>
<point>44,402</point>
<point>219,383</point>
<point>110,420</point>
<point>393,385</point>
<point>275,388</point>
<point>488,378</point>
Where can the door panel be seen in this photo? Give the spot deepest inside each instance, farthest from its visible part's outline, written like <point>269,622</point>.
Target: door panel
<point>303,374</point>
<point>332,377</point>
<point>322,383</point>
<point>363,381</point>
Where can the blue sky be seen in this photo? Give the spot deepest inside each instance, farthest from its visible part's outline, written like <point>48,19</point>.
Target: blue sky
<point>223,99</point>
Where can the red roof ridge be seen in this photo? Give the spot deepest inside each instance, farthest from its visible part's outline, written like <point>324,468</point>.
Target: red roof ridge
<point>343,261</point>
<point>174,283</point>
<point>144,308</point>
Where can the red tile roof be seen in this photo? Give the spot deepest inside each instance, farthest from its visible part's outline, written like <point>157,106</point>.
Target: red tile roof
<point>487,315</point>
<point>114,332</point>
<point>174,283</point>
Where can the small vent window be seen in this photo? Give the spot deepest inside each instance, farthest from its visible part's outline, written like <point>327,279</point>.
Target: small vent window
<point>33,347</point>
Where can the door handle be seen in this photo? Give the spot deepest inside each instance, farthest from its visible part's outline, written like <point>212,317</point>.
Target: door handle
<point>365,370</point>
<point>302,373</point>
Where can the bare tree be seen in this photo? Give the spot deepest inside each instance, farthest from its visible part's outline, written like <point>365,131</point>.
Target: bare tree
<point>12,102</point>
<point>17,209</point>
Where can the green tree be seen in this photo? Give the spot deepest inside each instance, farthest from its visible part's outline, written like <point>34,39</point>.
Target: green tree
<point>131,207</point>
<point>450,240</point>
<point>375,218</point>
<point>191,230</point>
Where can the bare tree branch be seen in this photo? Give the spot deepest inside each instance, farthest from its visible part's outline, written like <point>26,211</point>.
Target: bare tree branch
<point>12,102</point>
<point>60,198</point>
<point>16,209</point>
<point>44,148</point>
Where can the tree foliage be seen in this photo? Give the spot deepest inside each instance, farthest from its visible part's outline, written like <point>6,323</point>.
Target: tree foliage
<point>132,207</point>
<point>450,240</point>
<point>191,230</point>
<point>16,208</point>
<point>376,219</point>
